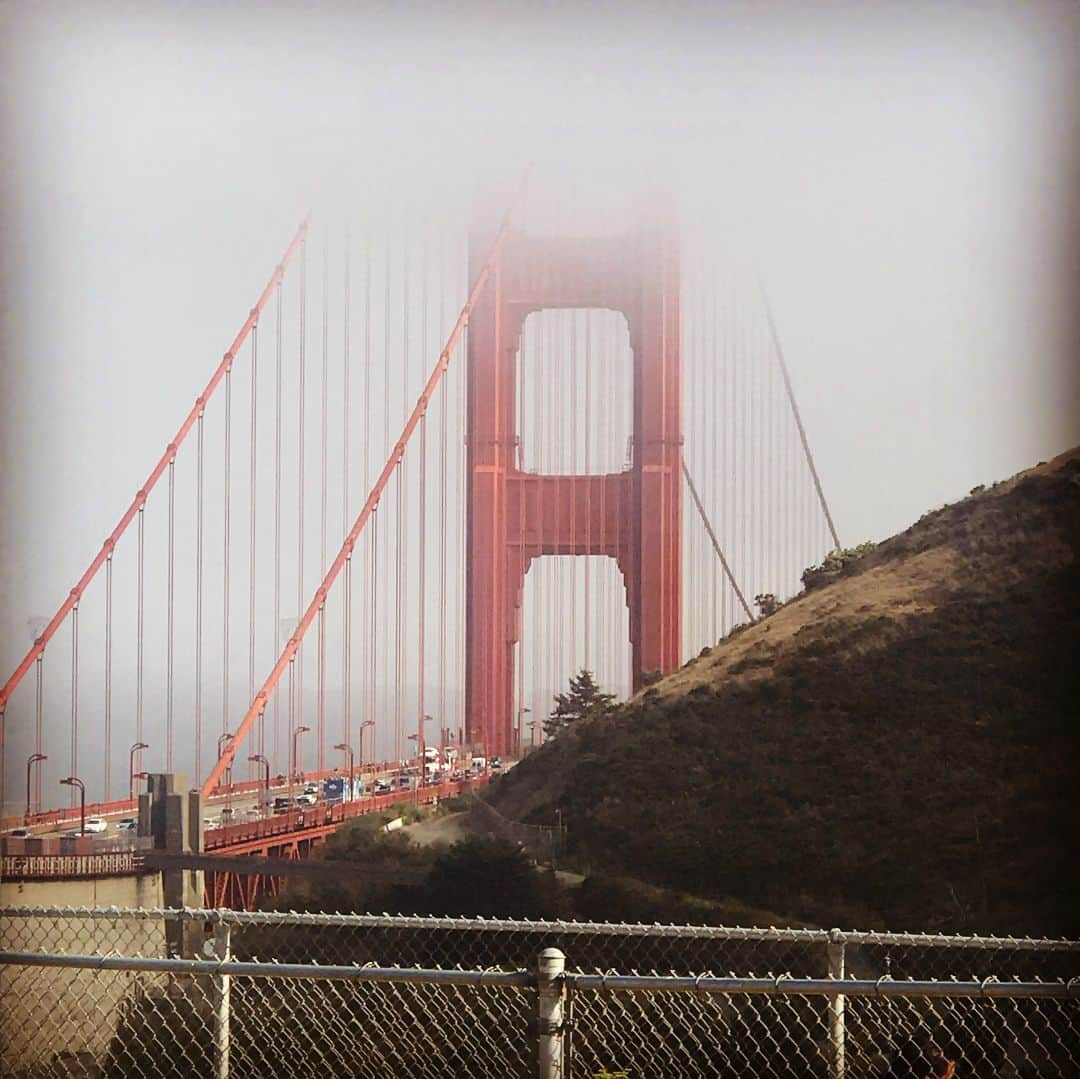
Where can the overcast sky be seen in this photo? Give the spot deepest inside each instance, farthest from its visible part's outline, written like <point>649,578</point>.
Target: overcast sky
<point>903,177</point>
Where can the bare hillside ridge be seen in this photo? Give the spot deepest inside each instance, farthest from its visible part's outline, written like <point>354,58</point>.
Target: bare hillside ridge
<point>899,743</point>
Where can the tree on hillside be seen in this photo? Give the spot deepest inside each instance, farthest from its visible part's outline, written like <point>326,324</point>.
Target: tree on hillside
<point>766,603</point>
<point>584,700</point>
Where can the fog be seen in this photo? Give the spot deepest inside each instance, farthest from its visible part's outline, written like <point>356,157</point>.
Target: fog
<point>901,178</point>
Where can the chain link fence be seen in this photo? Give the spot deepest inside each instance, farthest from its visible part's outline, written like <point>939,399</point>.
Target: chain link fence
<point>163,993</point>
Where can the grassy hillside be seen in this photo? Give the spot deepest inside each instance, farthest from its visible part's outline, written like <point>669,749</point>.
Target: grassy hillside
<point>898,746</point>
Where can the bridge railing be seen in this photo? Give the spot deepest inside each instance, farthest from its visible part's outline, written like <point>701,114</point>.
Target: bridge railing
<point>110,863</point>
<point>548,1010</point>
<point>321,816</point>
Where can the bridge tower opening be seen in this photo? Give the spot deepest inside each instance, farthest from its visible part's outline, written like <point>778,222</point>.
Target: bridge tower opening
<point>513,517</point>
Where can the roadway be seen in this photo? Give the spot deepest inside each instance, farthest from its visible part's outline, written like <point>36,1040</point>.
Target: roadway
<point>224,808</point>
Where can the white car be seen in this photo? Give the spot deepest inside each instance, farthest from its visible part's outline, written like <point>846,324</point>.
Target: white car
<point>128,824</point>
<point>306,800</point>
<point>96,824</point>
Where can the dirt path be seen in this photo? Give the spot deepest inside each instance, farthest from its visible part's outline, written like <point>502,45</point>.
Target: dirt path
<point>440,831</point>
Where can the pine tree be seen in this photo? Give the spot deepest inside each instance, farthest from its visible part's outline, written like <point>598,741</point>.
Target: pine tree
<point>584,700</point>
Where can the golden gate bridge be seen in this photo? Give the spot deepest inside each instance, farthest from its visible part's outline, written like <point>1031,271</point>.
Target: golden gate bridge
<point>438,470</point>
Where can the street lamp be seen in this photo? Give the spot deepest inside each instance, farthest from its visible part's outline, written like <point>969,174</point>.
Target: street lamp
<point>532,725</point>
<point>131,767</point>
<point>74,781</point>
<point>258,758</point>
<point>33,759</point>
<point>520,724</point>
<point>226,778</point>
<point>295,756</point>
<point>363,727</point>
<point>421,750</point>
<point>345,747</point>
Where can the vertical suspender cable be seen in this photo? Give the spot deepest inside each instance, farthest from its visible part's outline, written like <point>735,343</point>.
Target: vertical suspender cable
<point>543,591</point>
<point>140,617</point>
<point>74,696</point>
<point>617,392</point>
<point>170,620</point>
<point>373,628</point>
<point>320,723</point>
<point>713,375</point>
<point>108,674</point>
<point>386,447</point>
<point>403,510</point>
<point>346,659</point>
<point>298,714</point>
<point>519,704</point>
<point>444,398</point>
<point>198,599</point>
<point>558,615</point>
<point>261,738</point>
<point>320,710</point>
<point>603,674</point>
<point>422,523</point>
<point>743,442</point>
<point>587,426</point>
<point>225,560</point>
<point>39,719</point>
<point>325,397</point>
<point>367,600</point>
<point>277,521</point>
<point>422,585</point>
<point>459,501</point>
<point>575,422</point>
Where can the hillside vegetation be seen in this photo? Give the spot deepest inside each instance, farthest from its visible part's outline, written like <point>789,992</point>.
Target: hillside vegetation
<point>896,747</point>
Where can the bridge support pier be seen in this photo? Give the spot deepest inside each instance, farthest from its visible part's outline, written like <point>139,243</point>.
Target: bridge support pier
<point>173,817</point>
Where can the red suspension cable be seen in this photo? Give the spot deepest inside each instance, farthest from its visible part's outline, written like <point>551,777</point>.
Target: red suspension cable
<point>392,463</point>
<point>140,498</point>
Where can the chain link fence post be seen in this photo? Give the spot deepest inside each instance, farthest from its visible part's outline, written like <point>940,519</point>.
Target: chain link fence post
<point>551,997</point>
<point>836,1006</point>
<point>220,995</point>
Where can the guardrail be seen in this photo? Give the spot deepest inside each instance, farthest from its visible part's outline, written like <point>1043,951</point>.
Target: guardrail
<point>50,818</point>
<point>318,820</point>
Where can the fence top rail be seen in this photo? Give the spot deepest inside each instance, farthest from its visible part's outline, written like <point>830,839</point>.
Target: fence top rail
<point>703,983</point>
<point>784,985</point>
<point>567,928</point>
<point>252,969</point>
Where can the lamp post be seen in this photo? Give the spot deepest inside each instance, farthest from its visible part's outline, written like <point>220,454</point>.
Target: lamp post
<point>33,759</point>
<point>131,767</point>
<point>226,779</point>
<point>532,725</point>
<point>346,748</point>
<point>421,751</point>
<point>258,758</point>
<point>295,757</point>
<point>74,781</point>
<point>363,727</point>
<point>520,725</point>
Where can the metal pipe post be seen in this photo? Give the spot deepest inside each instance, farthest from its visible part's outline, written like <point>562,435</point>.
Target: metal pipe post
<point>551,996</point>
<point>222,1002</point>
<point>836,1006</point>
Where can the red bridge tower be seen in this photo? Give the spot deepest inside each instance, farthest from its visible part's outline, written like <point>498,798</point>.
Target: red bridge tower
<point>513,516</point>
